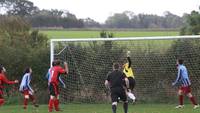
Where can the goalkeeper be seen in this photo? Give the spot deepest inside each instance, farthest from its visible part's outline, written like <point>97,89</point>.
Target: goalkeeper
<point>127,70</point>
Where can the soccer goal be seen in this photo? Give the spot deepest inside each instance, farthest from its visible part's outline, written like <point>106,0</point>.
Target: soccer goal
<point>153,61</point>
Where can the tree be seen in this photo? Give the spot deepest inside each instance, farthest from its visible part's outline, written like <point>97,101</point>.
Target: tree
<point>192,25</point>
<point>118,20</point>
<point>172,21</point>
<point>19,7</point>
<point>90,23</point>
<point>128,19</point>
<point>56,18</point>
<point>20,47</point>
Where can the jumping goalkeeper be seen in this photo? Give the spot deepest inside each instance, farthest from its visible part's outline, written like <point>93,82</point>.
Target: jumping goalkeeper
<point>127,70</point>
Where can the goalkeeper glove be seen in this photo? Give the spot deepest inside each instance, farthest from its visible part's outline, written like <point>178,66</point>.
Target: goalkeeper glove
<point>128,53</point>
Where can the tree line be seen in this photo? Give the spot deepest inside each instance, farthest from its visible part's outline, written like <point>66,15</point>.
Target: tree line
<point>127,19</point>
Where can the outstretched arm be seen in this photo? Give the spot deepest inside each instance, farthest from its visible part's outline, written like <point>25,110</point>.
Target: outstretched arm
<point>129,62</point>
<point>5,80</point>
<point>128,58</point>
<point>66,67</point>
<point>64,70</point>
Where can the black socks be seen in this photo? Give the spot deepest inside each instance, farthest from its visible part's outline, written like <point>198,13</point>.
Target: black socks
<point>114,108</point>
<point>125,107</point>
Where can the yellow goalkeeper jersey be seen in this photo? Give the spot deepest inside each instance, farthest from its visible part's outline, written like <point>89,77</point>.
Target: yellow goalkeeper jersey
<point>128,71</point>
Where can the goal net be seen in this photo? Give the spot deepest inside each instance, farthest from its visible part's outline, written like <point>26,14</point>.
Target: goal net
<point>153,61</point>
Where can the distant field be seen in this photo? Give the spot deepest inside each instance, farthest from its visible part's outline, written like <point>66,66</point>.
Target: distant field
<point>95,34</point>
<point>102,108</point>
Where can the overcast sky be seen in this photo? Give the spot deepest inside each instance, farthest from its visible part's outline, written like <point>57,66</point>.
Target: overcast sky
<point>99,10</point>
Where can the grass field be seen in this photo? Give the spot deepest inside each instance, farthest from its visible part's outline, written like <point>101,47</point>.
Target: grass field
<point>102,108</point>
<point>95,34</point>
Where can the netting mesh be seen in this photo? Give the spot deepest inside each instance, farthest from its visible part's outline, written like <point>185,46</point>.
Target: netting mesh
<point>153,62</point>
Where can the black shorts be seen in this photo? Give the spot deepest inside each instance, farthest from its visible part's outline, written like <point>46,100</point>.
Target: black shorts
<point>118,92</point>
<point>131,83</point>
<point>53,89</point>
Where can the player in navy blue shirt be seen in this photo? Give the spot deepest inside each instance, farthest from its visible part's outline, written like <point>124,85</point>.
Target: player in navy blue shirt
<point>184,84</point>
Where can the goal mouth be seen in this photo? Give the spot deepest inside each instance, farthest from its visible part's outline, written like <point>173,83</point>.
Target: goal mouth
<point>153,63</point>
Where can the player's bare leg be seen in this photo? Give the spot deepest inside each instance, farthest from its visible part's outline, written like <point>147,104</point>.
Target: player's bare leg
<point>191,97</point>
<point>180,94</point>
<point>32,97</point>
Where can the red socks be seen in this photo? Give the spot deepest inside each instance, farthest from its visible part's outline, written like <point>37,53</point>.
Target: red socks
<point>25,103</point>
<point>180,99</point>
<point>32,99</point>
<point>1,102</point>
<point>193,101</point>
<point>56,104</point>
<point>51,102</point>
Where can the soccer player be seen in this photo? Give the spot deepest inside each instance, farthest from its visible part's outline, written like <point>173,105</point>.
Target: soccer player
<point>53,86</point>
<point>127,70</point>
<point>4,80</point>
<point>48,76</point>
<point>115,82</point>
<point>26,89</point>
<point>184,82</point>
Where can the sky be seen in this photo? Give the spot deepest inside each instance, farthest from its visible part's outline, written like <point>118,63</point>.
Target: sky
<point>100,10</point>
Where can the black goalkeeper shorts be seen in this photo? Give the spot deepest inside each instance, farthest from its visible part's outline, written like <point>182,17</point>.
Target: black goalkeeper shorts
<point>117,93</point>
<point>131,83</point>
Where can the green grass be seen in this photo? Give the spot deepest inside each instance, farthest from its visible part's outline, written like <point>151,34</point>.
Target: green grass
<point>102,108</point>
<point>95,34</point>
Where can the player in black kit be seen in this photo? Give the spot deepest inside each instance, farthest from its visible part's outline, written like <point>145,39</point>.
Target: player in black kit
<point>115,82</point>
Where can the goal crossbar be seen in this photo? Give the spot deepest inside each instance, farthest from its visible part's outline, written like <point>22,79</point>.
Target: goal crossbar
<point>116,39</point>
<point>126,38</point>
